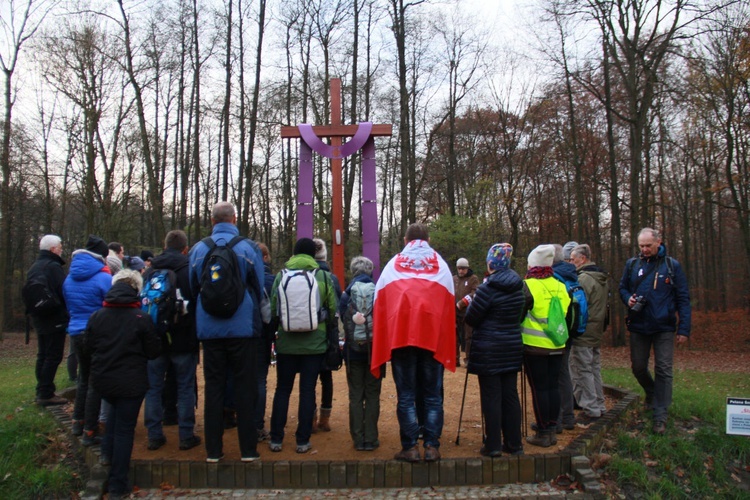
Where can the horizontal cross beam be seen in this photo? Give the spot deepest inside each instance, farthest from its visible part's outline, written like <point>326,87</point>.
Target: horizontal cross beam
<point>292,132</point>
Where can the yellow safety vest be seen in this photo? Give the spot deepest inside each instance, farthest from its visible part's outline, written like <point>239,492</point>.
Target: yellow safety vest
<point>532,327</point>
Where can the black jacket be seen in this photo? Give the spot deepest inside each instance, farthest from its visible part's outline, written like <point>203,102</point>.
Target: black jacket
<point>496,314</point>
<point>184,338</point>
<point>51,266</point>
<point>121,339</point>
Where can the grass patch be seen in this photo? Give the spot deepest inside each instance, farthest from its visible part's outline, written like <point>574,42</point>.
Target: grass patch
<point>695,458</point>
<point>36,461</point>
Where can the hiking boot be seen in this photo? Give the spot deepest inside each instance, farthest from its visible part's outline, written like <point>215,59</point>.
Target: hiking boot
<point>89,438</point>
<point>543,439</point>
<point>315,422</point>
<point>370,446</point>
<point>77,427</point>
<point>585,420</point>
<point>263,435</point>
<point>156,443</point>
<point>431,454</point>
<point>660,427</point>
<point>511,451</point>
<point>105,461</point>
<point>490,453</point>
<point>274,446</point>
<point>304,448</point>
<point>189,443</point>
<point>558,428</point>
<point>53,401</point>
<point>323,421</point>
<point>568,426</point>
<point>410,455</point>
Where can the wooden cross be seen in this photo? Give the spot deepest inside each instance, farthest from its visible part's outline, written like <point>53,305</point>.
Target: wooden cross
<point>335,151</point>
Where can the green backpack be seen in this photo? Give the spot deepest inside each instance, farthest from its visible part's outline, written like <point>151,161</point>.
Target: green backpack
<point>556,329</point>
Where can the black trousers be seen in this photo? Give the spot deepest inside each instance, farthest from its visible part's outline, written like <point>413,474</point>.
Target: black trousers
<point>238,356</point>
<point>542,372</point>
<point>501,409</point>
<point>50,350</point>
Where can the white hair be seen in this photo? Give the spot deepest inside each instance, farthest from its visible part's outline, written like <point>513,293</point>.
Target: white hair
<point>132,278</point>
<point>49,241</point>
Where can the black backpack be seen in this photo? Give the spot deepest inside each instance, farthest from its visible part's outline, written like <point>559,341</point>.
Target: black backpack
<point>37,297</point>
<point>222,287</point>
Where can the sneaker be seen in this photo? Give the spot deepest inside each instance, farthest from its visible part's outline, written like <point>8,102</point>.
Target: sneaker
<point>251,457</point>
<point>410,455</point>
<point>431,454</point>
<point>274,446</point>
<point>304,448</point>
<point>489,453</point>
<point>77,428</point>
<point>189,443</point>
<point>105,461</point>
<point>263,435</point>
<point>568,426</point>
<point>660,428</point>
<point>214,460</point>
<point>359,446</point>
<point>517,452</point>
<point>53,401</point>
<point>89,438</point>
<point>156,443</point>
<point>370,446</point>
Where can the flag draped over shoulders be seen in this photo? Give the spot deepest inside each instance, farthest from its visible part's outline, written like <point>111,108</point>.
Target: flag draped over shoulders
<point>415,306</point>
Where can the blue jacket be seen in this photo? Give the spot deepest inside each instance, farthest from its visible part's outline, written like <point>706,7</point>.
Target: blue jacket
<point>84,288</point>
<point>246,321</point>
<point>665,295</point>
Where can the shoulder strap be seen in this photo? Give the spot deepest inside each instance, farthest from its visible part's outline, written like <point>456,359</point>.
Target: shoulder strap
<point>209,242</point>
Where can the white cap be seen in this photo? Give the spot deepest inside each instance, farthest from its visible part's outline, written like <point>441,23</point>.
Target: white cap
<point>542,256</point>
<point>462,262</point>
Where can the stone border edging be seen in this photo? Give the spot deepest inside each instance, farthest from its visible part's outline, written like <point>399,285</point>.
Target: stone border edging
<point>333,474</point>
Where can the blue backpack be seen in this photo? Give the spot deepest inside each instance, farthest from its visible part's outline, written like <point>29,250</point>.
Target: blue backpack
<point>580,305</point>
<point>160,301</point>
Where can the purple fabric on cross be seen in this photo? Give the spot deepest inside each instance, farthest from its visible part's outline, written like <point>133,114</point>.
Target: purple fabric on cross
<point>352,146</point>
<point>370,234</point>
<point>305,192</point>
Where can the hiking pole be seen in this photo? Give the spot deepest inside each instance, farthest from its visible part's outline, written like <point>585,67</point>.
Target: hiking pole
<point>461,415</point>
<point>523,401</point>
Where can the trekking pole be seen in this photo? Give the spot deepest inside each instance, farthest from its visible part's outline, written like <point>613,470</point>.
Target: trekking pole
<point>523,401</point>
<point>461,415</point>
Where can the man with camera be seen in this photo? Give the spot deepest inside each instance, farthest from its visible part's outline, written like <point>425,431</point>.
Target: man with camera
<point>654,288</point>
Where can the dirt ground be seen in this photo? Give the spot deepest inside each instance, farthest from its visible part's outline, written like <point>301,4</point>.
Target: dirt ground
<point>337,444</point>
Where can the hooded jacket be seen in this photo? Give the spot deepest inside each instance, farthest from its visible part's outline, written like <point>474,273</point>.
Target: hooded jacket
<point>666,294</point>
<point>315,342</point>
<point>50,265</point>
<point>352,355</point>
<point>595,283</point>
<point>246,321</point>
<point>496,314</point>
<point>87,283</point>
<point>184,338</point>
<point>121,339</point>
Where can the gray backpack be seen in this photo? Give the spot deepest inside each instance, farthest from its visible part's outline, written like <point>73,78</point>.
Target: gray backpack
<point>361,296</point>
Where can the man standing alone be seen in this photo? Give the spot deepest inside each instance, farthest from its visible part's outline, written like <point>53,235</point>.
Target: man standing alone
<point>413,326</point>
<point>654,288</point>
<point>229,325</point>
<point>51,322</point>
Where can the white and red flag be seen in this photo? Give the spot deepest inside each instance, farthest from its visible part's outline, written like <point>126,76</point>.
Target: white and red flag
<point>415,306</point>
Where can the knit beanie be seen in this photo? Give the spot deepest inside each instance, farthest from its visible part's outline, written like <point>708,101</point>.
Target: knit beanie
<point>97,245</point>
<point>321,253</point>
<point>462,263</point>
<point>498,257</point>
<point>136,263</point>
<point>567,248</point>
<point>541,256</point>
<point>305,246</point>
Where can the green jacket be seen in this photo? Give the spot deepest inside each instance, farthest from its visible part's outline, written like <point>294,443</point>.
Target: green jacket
<point>305,342</point>
<point>594,282</point>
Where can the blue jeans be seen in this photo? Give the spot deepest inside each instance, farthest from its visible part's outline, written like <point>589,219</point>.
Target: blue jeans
<point>416,369</point>
<point>184,365</point>
<point>287,366</point>
<point>659,387</point>
<point>118,440</point>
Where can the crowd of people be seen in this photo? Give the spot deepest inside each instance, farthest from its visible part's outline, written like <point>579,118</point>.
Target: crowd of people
<point>137,324</point>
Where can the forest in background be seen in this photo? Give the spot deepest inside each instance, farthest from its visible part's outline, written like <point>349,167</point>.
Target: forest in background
<point>127,119</point>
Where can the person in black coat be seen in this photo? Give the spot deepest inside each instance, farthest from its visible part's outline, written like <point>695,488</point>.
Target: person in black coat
<point>51,325</point>
<point>121,339</point>
<point>180,353</point>
<point>497,351</point>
